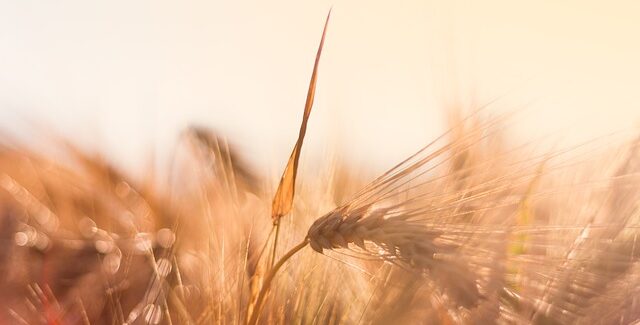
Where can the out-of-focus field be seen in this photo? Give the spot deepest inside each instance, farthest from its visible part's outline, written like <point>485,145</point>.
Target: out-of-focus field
<point>473,229</point>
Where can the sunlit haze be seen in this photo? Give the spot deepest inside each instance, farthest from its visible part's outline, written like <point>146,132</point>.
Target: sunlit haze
<point>126,77</point>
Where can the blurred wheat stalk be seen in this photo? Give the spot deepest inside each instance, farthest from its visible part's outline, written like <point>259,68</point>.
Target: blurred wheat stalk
<point>471,229</point>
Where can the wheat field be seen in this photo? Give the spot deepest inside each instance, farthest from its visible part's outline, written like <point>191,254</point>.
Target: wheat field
<point>474,228</point>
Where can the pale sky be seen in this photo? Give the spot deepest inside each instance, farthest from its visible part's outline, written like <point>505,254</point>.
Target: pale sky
<point>127,76</point>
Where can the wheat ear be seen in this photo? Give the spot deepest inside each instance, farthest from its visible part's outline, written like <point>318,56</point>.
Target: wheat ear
<point>402,241</point>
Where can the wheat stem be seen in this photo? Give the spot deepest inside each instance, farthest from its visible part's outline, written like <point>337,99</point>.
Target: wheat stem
<point>269,278</point>
<point>272,260</point>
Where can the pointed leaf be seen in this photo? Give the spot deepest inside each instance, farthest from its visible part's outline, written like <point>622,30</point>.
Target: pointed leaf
<point>283,199</point>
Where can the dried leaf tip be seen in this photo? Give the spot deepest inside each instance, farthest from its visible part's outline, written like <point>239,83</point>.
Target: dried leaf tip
<point>283,199</point>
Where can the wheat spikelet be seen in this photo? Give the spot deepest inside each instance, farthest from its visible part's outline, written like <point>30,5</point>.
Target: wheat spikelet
<point>400,241</point>
<point>416,217</point>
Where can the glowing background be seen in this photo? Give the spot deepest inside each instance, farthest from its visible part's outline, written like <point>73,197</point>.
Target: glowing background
<point>129,75</point>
